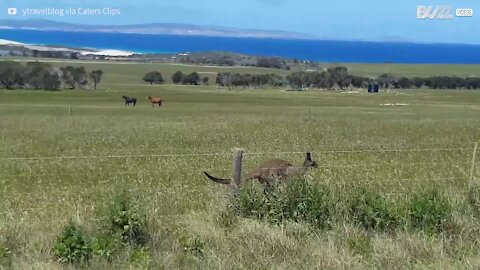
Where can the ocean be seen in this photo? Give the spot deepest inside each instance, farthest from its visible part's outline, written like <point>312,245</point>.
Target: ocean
<point>315,50</point>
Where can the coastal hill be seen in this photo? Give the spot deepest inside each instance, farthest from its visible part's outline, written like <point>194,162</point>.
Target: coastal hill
<point>153,28</point>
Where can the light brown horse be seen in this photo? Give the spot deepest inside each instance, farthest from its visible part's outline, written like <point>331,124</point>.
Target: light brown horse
<point>155,100</point>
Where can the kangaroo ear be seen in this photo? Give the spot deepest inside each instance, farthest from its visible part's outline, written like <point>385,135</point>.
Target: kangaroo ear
<point>308,156</point>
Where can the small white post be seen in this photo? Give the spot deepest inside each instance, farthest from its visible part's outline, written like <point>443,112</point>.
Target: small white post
<point>70,110</point>
<point>237,167</point>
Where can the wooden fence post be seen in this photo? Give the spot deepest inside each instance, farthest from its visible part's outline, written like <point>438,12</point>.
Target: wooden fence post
<point>237,167</point>
<point>70,110</point>
<point>472,169</point>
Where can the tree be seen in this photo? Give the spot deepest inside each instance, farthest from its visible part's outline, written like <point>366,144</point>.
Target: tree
<point>11,74</point>
<point>80,76</point>
<point>153,77</point>
<point>403,83</point>
<point>473,83</point>
<point>96,77</point>
<point>418,82</point>
<point>73,76</point>
<point>177,77</point>
<point>276,80</point>
<point>325,80</point>
<point>360,82</point>
<point>52,81</point>
<point>296,80</point>
<point>340,76</point>
<point>67,76</point>
<point>192,79</point>
<point>205,80</point>
<point>35,74</point>
<point>386,80</point>
<point>270,62</point>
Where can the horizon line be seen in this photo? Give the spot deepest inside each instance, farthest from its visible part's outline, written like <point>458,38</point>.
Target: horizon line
<point>295,35</point>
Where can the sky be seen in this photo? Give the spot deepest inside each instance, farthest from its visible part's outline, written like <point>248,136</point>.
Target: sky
<point>374,20</point>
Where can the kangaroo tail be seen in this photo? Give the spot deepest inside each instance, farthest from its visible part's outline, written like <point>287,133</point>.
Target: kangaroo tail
<point>218,180</point>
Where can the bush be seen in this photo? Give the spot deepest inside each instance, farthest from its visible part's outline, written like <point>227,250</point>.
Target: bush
<point>296,200</point>
<point>105,246</point>
<point>251,202</point>
<point>301,201</point>
<point>140,257</point>
<point>373,212</point>
<point>429,211</point>
<point>128,221</point>
<point>72,245</point>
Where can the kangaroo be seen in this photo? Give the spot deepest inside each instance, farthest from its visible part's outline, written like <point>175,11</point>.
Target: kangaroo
<point>272,170</point>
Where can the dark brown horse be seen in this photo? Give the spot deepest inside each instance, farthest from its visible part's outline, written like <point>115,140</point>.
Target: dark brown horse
<point>155,100</point>
<point>129,100</point>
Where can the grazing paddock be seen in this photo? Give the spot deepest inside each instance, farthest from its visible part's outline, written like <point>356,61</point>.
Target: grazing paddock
<point>55,167</point>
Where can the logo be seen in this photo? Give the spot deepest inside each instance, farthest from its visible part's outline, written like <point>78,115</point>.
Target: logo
<point>12,11</point>
<point>434,12</point>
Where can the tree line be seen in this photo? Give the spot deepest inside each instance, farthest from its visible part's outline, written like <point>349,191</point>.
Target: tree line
<point>233,80</point>
<point>155,77</point>
<point>38,75</point>
<point>232,59</point>
<point>339,78</point>
<point>331,78</point>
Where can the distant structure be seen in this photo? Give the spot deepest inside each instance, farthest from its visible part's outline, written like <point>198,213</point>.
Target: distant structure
<point>373,88</point>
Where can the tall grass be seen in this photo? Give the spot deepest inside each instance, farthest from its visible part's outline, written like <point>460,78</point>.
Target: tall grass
<point>359,210</point>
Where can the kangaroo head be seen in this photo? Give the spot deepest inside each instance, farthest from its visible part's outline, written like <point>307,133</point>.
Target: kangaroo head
<point>309,162</point>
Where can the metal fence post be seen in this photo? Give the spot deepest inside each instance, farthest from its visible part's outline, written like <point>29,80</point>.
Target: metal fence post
<point>237,167</point>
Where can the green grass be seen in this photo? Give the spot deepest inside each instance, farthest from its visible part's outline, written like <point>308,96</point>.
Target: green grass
<point>184,210</point>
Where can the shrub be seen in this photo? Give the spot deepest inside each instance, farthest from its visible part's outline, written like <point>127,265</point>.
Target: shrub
<point>105,245</point>
<point>429,211</point>
<point>251,202</point>
<point>128,221</point>
<point>72,245</point>
<point>140,257</point>
<point>301,201</point>
<point>373,212</point>
<point>296,200</point>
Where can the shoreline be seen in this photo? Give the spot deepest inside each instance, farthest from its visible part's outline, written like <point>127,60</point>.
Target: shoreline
<point>82,51</point>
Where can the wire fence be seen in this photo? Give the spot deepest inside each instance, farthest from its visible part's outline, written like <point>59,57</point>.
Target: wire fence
<point>459,159</point>
<point>182,155</point>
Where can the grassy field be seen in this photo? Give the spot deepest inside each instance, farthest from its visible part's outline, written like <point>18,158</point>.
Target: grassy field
<point>158,155</point>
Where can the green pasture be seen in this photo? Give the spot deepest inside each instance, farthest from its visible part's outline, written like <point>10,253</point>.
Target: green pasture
<point>66,155</point>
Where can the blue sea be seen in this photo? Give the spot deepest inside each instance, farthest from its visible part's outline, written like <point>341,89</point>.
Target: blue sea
<point>316,50</point>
